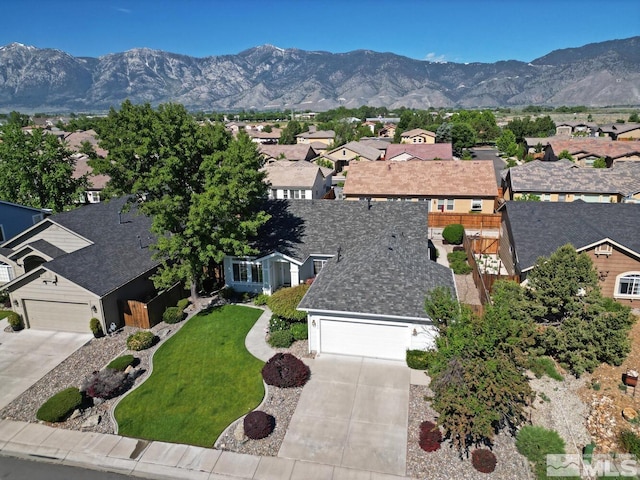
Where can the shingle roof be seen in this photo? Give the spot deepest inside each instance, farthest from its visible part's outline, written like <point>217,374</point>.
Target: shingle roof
<point>299,228</point>
<point>288,152</point>
<point>115,257</point>
<point>317,134</point>
<point>540,228</point>
<point>618,128</point>
<point>83,168</point>
<point>422,151</point>
<point>363,150</point>
<point>417,131</point>
<point>418,178</point>
<point>390,275</point>
<point>600,147</point>
<point>564,176</point>
<point>283,173</point>
<point>47,248</point>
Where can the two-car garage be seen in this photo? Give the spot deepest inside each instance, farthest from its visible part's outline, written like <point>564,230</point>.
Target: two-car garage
<point>57,315</point>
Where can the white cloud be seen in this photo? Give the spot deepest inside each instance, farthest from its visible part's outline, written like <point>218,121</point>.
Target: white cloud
<point>123,10</point>
<point>433,57</point>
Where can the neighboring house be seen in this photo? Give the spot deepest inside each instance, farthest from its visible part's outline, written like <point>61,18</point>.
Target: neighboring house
<point>564,181</point>
<point>75,140</point>
<point>418,135</point>
<point>341,156</point>
<point>324,137</point>
<point>621,131</point>
<point>381,143</point>
<point>585,151</point>
<point>449,186</point>
<point>97,183</point>
<point>297,180</point>
<point>80,264</point>
<point>14,219</point>
<point>402,152</point>
<point>264,138</point>
<point>372,267</point>
<point>568,129</point>
<point>608,233</point>
<point>293,153</point>
<point>387,131</point>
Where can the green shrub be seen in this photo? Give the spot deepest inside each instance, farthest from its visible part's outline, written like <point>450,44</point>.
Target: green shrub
<point>544,366</point>
<point>121,363</point>
<point>261,299</point>
<point>299,331</point>
<point>630,442</point>
<point>183,303</point>
<point>453,233</point>
<point>277,324</point>
<point>173,315</point>
<point>15,321</point>
<point>536,443</point>
<point>419,359</point>
<point>60,406</point>
<point>228,293</point>
<point>141,340</point>
<point>96,327</point>
<point>458,262</point>
<point>281,339</point>
<point>283,303</point>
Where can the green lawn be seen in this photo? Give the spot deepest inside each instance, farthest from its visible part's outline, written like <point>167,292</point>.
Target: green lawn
<point>203,379</point>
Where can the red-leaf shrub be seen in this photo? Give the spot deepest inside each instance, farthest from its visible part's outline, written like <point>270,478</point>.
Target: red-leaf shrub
<point>285,370</point>
<point>258,425</point>
<point>483,460</point>
<point>107,383</point>
<point>430,437</point>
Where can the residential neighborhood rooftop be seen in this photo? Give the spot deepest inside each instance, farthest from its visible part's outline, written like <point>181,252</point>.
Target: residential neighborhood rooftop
<point>421,151</point>
<point>284,173</point>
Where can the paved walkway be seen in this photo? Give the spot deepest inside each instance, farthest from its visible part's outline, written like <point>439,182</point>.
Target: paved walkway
<point>255,341</point>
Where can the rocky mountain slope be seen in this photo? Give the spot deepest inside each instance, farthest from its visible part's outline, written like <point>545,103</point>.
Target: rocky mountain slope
<point>270,78</point>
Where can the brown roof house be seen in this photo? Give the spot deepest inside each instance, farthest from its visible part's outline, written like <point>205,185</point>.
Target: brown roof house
<point>292,153</point>
<point>297,180</point>
<point>325,137</point>
<point>341,156</point>
<point>435,151</point>
<point>621,131</point>
<point>418,135</point>
<point>585,151</point>
<point>450,186</point>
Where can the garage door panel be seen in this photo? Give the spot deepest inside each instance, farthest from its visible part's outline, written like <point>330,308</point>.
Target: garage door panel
<point>363,339</point>
<point>63,316</point>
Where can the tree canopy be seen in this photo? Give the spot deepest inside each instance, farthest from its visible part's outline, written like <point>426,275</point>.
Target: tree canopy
<point>202,188</point>
<point>37,170</point>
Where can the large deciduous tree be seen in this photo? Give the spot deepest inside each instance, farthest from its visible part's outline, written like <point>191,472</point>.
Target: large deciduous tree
<point>37,170</point>
<point>202,188</point>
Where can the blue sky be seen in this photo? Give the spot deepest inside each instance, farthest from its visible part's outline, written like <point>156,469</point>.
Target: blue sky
<point>437,30</point>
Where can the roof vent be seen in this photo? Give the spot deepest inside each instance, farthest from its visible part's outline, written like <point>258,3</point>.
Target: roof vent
<point>338,258</point>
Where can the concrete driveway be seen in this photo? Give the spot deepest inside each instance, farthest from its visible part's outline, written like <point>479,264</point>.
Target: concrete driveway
<point>352,413</point>
<point>26,356</point>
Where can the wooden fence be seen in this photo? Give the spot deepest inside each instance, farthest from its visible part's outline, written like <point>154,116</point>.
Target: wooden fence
<point>472,221</point>
<point>146,315</point>
<point>483,281</point>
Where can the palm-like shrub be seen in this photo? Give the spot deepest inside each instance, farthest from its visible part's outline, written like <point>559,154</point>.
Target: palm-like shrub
<point>285,370</point>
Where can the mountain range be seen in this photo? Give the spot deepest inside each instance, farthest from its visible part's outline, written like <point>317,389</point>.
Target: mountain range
<point>270,78</point>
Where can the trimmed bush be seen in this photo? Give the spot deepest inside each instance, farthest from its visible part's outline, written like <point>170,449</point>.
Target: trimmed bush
<point>419,359</point>
<point>183,303</point>
<point>281,339</point>
<point>285,370</point>
<point>483,460</point>
<point>141,340</point>
<point>453,233</point>
<point>173,315</point>
<point>430,437</point>
<point>536,443</point>
<point>284,302</point>
<point>107,383</point>
<point>258,425</point>
<point>277,324</point>
<point>96,327</point>
<point>15,321</point>
<point>299,331</point>
<point>261,299</point>
<point>121,363</point>
<point>60,406</point>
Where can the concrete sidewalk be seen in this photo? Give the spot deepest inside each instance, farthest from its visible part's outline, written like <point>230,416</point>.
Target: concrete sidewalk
<point>159,460</point>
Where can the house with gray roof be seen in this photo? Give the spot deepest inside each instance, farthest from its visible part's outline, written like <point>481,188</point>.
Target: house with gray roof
<point>80,264</point>
<point>606,232</point>
<point>341,156</point>
<point>371,266</point>
<point>564,181</point>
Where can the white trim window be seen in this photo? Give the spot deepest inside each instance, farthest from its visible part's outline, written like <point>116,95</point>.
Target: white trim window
<point>628,285</point>
<point>445,204</point>
<point>240,271</point>
<point>246,271</point>
<point>476,205</point>
<point>318,265</point>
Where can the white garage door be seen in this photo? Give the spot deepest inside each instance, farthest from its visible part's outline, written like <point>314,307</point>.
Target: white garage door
<point>63,316</point>
<point>364,339</point>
